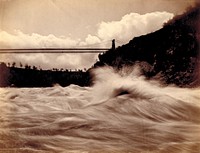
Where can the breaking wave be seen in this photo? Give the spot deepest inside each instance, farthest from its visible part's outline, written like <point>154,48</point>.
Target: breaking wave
<point>121,112</point>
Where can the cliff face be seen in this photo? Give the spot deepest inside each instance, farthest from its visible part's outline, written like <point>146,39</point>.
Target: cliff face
<point>170,54</point>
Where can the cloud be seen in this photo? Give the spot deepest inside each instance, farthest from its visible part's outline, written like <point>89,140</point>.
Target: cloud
<point>49,61</point>
<point>90,40</point>
<point>46,61</point>
<point>131,25</point>
<point>20,40</point>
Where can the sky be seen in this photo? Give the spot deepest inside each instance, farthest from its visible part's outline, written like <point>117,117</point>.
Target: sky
<point>78,23</point>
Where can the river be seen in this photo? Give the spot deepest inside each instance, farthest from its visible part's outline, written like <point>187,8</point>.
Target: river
<point>121,113</point>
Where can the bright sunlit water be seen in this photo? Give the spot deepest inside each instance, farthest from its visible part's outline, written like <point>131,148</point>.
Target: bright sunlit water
<point>121,112</point>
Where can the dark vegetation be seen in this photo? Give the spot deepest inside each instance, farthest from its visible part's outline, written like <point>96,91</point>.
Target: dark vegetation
<point>32,77</point>
<point>170,54</point>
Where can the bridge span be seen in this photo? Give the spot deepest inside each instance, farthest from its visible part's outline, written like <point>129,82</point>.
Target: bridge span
<point>52,50</point>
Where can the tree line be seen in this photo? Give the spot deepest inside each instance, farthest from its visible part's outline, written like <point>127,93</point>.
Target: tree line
<point>31,76</point>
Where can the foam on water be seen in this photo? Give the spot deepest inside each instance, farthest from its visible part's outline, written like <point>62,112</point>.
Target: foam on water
<point>120,113</point>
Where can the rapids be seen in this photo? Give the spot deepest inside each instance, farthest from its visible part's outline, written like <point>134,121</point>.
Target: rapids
<point>121,112</point>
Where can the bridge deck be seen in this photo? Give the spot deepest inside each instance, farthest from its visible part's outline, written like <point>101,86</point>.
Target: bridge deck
<point>52,50</point>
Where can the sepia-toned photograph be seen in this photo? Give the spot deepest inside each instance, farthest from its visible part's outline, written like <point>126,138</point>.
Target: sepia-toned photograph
<point>99,76</point>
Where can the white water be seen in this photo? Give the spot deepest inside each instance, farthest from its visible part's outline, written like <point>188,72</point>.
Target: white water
<point>120,113</point>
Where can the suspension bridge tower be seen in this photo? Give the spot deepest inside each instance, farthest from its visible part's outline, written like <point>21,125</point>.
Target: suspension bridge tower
<point>113,44</point>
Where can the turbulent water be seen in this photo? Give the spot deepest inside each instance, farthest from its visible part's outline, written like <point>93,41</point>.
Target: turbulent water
<point>119,113</point>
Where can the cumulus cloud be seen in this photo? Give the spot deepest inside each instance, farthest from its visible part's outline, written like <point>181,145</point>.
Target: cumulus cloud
<point>90,40</point>
<point>20,40</point>
<point>46,61</point>
<point>131,25</point>
<point>49,61</point>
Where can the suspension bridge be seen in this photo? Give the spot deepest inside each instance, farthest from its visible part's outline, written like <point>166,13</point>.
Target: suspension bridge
<point>56,50</point>
<point>52,50</point>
